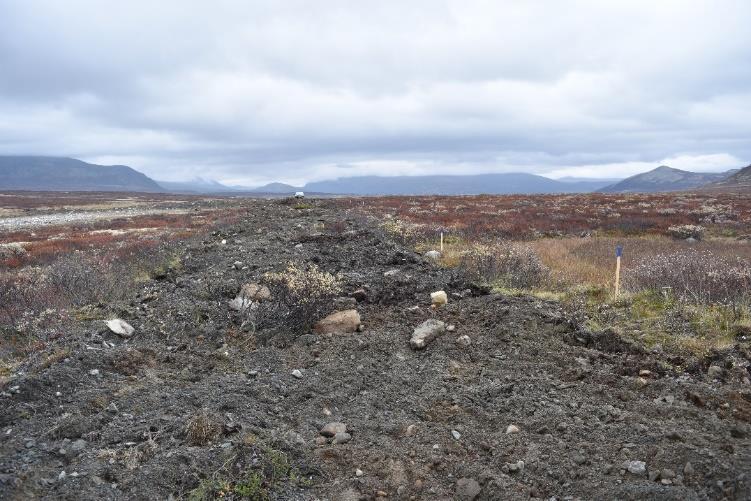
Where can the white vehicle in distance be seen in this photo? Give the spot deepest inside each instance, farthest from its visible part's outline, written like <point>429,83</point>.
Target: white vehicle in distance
<point>299,194</point>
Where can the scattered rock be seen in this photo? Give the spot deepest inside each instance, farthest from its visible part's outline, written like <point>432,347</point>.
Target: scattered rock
<point>467,489</point>
<point>635,467</point>
<point>341,438</point>
<point>512,428</point>
<point>339,322</point>
<point>715,372</point>
<point>359,472</point>
<point>120,327</point>
<point>94,372</point>
<point>78,445</point>
<point>297,374</point>
<point>451,328</point>
<point>248,294</point>
<point>514,467</point>
<point>439,298</point>
<point>331,429</point>
<point>456,434</point>
<point>463,340</point>
<point>360,295</point>
<point>391,273</point>
<point>426,332</point>
<point>688,469</point>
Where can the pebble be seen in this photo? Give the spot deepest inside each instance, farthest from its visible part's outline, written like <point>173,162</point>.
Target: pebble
<point>451,328</point>
<point>515,467</point>
<point>297,374</point>
<point>456,434</point>
<point>94,372</point>
<point>358,472</point>
<point>579,458</point>
<point>714,372</point>
<point>341,438</point>
<point>331,429</point>
<point>635,467</point>
<point>463,340</point>
<point>467,489</point>
<point>688,469</point>
<point>78,445</point>
<point>439,298</point>
<point>512,428</point>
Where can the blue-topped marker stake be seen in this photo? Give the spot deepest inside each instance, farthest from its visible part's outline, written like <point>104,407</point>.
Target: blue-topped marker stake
<point>618,254</point>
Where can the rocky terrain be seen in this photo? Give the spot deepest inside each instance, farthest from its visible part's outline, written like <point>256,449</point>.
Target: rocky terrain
<point>501,398</point>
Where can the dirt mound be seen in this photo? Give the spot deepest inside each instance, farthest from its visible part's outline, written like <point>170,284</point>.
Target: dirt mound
<point>197,404</point>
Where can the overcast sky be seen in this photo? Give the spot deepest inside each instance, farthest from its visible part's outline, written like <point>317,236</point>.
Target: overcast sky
<point>248,91</point>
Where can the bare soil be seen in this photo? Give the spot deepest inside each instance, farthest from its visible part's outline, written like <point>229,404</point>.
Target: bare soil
<point>114,414</point>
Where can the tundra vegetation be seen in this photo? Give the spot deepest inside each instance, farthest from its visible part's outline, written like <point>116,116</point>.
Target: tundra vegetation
<point>686,269</point>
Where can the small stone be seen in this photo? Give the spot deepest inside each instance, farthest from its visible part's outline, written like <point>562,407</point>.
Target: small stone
<point>339,322</point>
<point>297,374</point>
<point>62,475</point>
<point>112,408</point>
<point>467,489</point>
<point>515,467</point>
<point>237,265</point>
<point>645,373</point>
<point>714,372</point>
<point>331,429</point>
<point>463,340</point>
<point>78,445</point>
<point>94,372</point>
<point>579,458</point>
<point>360,295</point>
<point>58,394</point>
<point>411,430</point>
<point>382,494</point>
<point>120,327</point>
<point>321,440</point>
<point>456,434</point>
<point>667,474</point>
<point>391,273</point>
<point>358,472</point>
<point>451,328</point>
<point>341,438</point>
<point>426,332</point>
<point>438,298</point>
<point>512,428</point>
<point>635,467</point>
<point>688,469</point>
<point>640,381</point>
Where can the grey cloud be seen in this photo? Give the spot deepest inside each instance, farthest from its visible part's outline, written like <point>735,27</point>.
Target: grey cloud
<point>254,91</point>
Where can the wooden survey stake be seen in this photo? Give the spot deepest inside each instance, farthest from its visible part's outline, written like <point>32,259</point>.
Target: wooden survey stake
<point>618,254</point>
<point>441,241</point>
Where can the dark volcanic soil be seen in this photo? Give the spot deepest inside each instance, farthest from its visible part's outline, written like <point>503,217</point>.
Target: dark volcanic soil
<point>419,420</point>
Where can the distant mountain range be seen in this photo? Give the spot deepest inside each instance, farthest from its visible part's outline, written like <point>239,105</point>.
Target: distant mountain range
<point>491,184</point>
<point>67,174</point>
<point>665,178</point>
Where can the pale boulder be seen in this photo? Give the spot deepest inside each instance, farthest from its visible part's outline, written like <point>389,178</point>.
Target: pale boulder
<point>339,322</point>
<point>426,332</point>
<point>439,298</point>
<point>120,327</point>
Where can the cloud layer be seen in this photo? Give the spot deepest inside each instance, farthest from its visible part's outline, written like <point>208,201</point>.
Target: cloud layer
<point>248,92</point>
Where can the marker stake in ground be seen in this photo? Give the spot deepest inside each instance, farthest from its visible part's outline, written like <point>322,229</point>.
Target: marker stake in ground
<point>618,254</point>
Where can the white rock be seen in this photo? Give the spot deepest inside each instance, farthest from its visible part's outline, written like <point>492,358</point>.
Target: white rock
<point>94,372</point>
<point>636,467</point>
<point>456,434</point>
<point>439,298</point>
<point>426,332</point>
<point>714,372</point>
<point>391,273</point>
<point>359,472</point>
<point>463,340</point>
<point>296,373</point>
<point>120,327</point>
<point>512,428</point>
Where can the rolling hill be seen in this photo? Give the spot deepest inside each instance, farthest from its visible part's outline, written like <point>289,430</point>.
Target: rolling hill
<point>36,173</point>
<point>665,178</point>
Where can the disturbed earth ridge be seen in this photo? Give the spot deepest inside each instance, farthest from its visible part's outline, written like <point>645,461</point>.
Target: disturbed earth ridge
<point>510,398</point>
